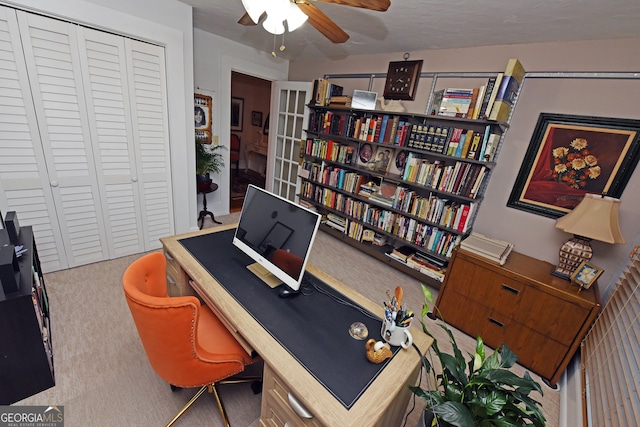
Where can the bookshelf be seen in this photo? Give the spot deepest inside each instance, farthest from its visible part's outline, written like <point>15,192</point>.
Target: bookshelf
<point>26,356</point>
<point>385,181</point>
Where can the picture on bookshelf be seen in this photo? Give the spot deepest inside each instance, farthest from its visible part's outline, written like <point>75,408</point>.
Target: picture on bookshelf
<point>399,162</point>
<point>382,159</point>
<point>365,154</point>
<point>569,156</point>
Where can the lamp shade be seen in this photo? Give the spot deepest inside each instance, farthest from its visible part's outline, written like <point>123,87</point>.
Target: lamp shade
<point>595,217</point>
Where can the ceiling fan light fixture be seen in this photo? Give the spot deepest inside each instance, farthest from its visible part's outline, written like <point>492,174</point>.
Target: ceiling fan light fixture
<point>296,17</point>
<point>254,8</point>
<point>273,25</point>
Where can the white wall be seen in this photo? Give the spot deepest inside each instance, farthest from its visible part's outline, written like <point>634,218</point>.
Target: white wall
<point>214,60</point>
<point>167,23</point>
<point>532,234</point>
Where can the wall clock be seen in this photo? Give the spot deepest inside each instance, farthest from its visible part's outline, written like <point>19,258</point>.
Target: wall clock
<point>402,79</point>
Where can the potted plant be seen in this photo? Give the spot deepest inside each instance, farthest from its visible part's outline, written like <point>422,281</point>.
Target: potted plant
<point>482,391</point>
<point>207,160</point>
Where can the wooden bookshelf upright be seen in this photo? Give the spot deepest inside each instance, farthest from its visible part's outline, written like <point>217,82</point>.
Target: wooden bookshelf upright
<point>26,355</point>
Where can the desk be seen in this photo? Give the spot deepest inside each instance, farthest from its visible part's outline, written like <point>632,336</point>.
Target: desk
<point>383,403</point>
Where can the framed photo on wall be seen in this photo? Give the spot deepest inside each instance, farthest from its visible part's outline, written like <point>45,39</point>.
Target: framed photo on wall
<point>202,118</point>
<point>237,112</point>
<point>569,156</point>
<point>256,118</point>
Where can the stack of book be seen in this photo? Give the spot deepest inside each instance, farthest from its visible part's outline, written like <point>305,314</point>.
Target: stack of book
<point>488,248</point>
<point>340,101</point>
<point>336,222</point>
<point>324,90</point>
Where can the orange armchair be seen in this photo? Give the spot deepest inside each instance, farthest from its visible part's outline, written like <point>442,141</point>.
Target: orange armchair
<point>187,345</point>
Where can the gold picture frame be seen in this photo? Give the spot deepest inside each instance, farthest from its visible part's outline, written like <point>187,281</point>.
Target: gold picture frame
<point>202,118</point>
<point>586,274</point>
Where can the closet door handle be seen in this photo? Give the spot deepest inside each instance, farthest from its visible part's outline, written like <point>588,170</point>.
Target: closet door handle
<point>510,289</point>
<point>134,179</point>
<point>54,183</point>
<point>495,322</point>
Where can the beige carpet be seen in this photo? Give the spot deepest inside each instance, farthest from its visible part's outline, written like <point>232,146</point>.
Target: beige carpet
<point>102,374</point>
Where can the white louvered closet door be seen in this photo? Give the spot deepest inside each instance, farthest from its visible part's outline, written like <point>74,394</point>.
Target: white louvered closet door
<point>53,65</point>
<point>104,72</point>
<point>147,80</point>
<point>24,183</point>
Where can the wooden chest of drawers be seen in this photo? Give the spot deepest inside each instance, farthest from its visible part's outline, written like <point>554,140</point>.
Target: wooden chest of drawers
<point>540,317</point>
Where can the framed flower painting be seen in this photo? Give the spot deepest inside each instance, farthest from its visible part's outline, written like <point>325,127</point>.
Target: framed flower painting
<point>569,156</point>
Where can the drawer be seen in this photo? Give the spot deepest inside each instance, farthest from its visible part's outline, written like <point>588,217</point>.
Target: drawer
<point>486,287</point>
<point>537,352</point>
<point>552,316</point>
<point>276,409</point>
<point>177,279</point>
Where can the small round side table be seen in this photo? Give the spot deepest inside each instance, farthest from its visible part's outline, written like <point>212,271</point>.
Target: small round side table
<point>206,187</point>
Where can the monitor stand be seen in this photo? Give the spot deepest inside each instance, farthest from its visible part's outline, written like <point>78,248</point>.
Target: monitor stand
<point>265,275</point>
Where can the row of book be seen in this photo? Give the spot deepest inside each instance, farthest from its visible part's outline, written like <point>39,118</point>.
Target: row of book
<point>463,179</point>
<point>392,130</point>
<point>324,90</point>
<point>329,150</point>
<point>493,100</point>
<point>440,211</point>
<point>437,210</point>
<point>424,235</point>
<point>456,141</point>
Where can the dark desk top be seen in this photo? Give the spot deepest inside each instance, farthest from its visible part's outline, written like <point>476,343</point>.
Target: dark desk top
<point>313,328</point>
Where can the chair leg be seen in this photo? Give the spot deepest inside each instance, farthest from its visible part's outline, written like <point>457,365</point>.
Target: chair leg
<point>188,405</point>
<point>213,389</point>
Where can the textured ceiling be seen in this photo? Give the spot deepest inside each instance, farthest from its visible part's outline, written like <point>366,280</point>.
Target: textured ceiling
<point>414,25</point>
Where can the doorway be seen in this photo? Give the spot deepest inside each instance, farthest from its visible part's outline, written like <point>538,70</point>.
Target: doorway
<point>250,103</point>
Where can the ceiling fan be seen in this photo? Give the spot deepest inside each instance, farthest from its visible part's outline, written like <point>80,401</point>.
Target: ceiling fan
<point>256,12</point>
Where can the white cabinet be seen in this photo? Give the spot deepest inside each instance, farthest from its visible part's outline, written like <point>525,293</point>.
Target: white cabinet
<point>85,157</point>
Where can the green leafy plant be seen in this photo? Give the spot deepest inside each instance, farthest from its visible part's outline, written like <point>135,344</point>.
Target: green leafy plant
<point>208,159</point>
<point>480,392</point>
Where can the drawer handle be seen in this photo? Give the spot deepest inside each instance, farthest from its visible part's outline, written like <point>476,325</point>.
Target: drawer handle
<point>170,280</point>
<point>510,289</point>
<point>298,408</point>
<point>168,256</point>
<point>495,322</point>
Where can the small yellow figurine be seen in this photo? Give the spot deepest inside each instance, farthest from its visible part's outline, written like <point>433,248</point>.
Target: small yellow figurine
<point>377,351</point>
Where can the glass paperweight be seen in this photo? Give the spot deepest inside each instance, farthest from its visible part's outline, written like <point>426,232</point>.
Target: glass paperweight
<point>358,330</point>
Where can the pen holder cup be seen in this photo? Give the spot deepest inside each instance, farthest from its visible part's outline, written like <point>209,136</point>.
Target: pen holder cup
<point>396,335</point>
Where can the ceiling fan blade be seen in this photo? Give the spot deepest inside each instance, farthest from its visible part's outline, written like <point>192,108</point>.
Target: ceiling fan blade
<point>379,5</point>
<point>323,23</point>
<point>246,19</point>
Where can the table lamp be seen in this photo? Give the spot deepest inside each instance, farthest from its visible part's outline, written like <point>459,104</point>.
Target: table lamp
<point>595,218</point>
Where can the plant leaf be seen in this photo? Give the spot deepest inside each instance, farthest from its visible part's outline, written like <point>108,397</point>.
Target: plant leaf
<point>454,413</point>
<point>507,357</point>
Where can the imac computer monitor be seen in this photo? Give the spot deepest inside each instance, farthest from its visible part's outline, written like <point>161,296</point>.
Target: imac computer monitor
<point>277,234</point>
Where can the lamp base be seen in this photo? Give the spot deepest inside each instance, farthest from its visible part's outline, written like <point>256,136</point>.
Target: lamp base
<point>572,253</point>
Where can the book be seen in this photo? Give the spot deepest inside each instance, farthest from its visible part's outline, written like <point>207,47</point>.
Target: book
<point>472,103</point>
<point>455,102</point>
<point>403,252</point>
<point>508,91</point>
<point>488,89</point>
<point>486,247</point>
<point>494,93</point>
<point>479,100</point>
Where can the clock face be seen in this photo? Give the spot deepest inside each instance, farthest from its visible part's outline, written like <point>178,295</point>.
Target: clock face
<point>402,79</point>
